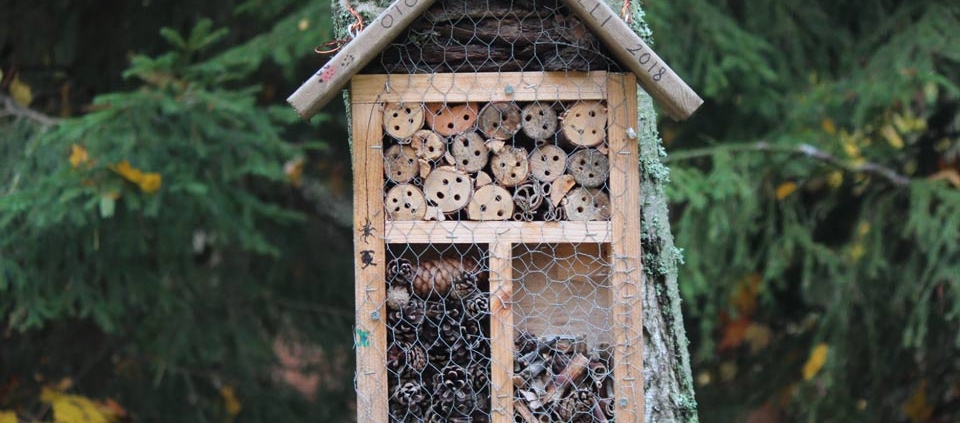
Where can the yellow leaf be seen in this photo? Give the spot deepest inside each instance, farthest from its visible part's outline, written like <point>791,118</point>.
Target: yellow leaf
<point>863,228</point>
<point>917,408</point>
<point>835,179</point>
<point>20,92</point>
<point>78,155</point>
<point>857,251</point>
<point>128,172</point>
<point>230,400</point>
<point>785,189</point>
<point>294,170</point>
<point>892,136</point>
<point>8,417</point>
<point>303,24</point>
<point>72,408</point>
<point>828,126</point>
<point>818,357</point>
<point>150,182</point>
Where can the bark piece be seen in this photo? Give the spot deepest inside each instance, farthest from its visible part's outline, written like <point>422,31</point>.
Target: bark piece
<point>539,121</point>
<point>524,412</point>
<point>587,204</point>
<point>499,120</point>
<point>491,202</point>
<point>483,179</point>
<point>590,168</point>
<point>429,144</point>
<point>400,163</point>
<point>450,190</point>
<point>584,123</point>
<point>470,152</point>
<point>560,187</point>
<point>405,202</point>
<point>547,163</point>
<point>451,119</point>
<point>510,166</point>
<point>575,371</point>
<point>402,120</point>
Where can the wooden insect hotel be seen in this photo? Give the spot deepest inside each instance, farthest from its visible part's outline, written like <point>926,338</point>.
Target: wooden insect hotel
<point>497,201</point>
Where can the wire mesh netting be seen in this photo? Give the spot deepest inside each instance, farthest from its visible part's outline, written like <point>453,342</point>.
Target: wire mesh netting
<point>501,290</point>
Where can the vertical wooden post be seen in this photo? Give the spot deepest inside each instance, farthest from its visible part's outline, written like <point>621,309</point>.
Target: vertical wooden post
<point>501,332</point>
<point>370,336</point>
<point>626,257</point>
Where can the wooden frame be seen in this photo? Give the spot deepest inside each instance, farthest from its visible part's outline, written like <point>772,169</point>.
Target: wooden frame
<point>621,233</point>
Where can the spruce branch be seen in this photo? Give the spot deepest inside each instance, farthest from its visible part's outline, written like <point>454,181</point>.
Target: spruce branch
<point>11,108</point>
<point>806,150</point>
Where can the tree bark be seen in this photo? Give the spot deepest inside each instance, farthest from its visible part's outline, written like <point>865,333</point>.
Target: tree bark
<point>668,385</point>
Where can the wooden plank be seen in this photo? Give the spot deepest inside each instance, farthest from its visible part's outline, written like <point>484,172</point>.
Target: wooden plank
<point>501,332</point>
<point>447,232</point>
<point>625,248</point>
<point>678,100</point>
<point>369,252</point>
<point>333,76</point>
<point>480,87</point>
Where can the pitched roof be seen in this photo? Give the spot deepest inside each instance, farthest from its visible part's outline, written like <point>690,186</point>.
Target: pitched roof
<point>677,99</point>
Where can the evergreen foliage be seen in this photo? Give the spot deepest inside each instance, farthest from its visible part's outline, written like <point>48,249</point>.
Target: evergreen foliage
<point>811,197</point>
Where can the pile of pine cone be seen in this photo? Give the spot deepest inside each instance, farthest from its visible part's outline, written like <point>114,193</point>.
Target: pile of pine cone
<point>438,336</point>
<point>561,380</point>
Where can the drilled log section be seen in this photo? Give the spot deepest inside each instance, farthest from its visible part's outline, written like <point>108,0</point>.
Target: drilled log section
<point>510,166</point>
<point>400,163</point>
<point>494,35</point>
<point>428,144</point>
<point>547,163</point>
<point>402,120</point>
<point>470,153</point>
<point>590,168</point>
<point>449,189</point>
<point>587,204</point>
<point>499,120</point>
<point>451,119</point>
<point>539,120</point>
<point>583,124</point>
<point>490,202</point>
<point>405,202</point>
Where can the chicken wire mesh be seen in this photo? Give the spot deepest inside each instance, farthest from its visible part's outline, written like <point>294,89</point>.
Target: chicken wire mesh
<point>499,139</point>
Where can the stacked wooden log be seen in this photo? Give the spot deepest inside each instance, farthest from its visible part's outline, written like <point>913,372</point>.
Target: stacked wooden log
<point>438,332</point>
<point>496,161</point>
<point>561,380</point>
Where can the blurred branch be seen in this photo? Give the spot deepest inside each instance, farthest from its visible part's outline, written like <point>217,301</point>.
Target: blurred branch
<point>11,108</point>
<point>805,150</point>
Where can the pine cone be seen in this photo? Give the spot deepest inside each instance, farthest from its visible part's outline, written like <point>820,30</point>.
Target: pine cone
<point>480,374</point>
<point>433,278</point>
<point>409,399</point>
<point>398,296</point>
<point>399,272</point>
<point>406,359</point>
<point>405,323</point>
<point>477,306</point>
<point>463,285</point>
<point>453,392</point>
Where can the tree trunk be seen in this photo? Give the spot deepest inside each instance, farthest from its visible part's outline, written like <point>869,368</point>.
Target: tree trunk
<point>669,393</point>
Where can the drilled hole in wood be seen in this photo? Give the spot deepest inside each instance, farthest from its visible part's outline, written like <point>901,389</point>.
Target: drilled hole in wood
<point>456,197</point>
<point>446,182</point>
<point>440,196</point>
<point>407,111</point>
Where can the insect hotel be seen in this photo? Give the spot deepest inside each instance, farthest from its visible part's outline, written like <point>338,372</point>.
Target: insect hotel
<point>497,203</point>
